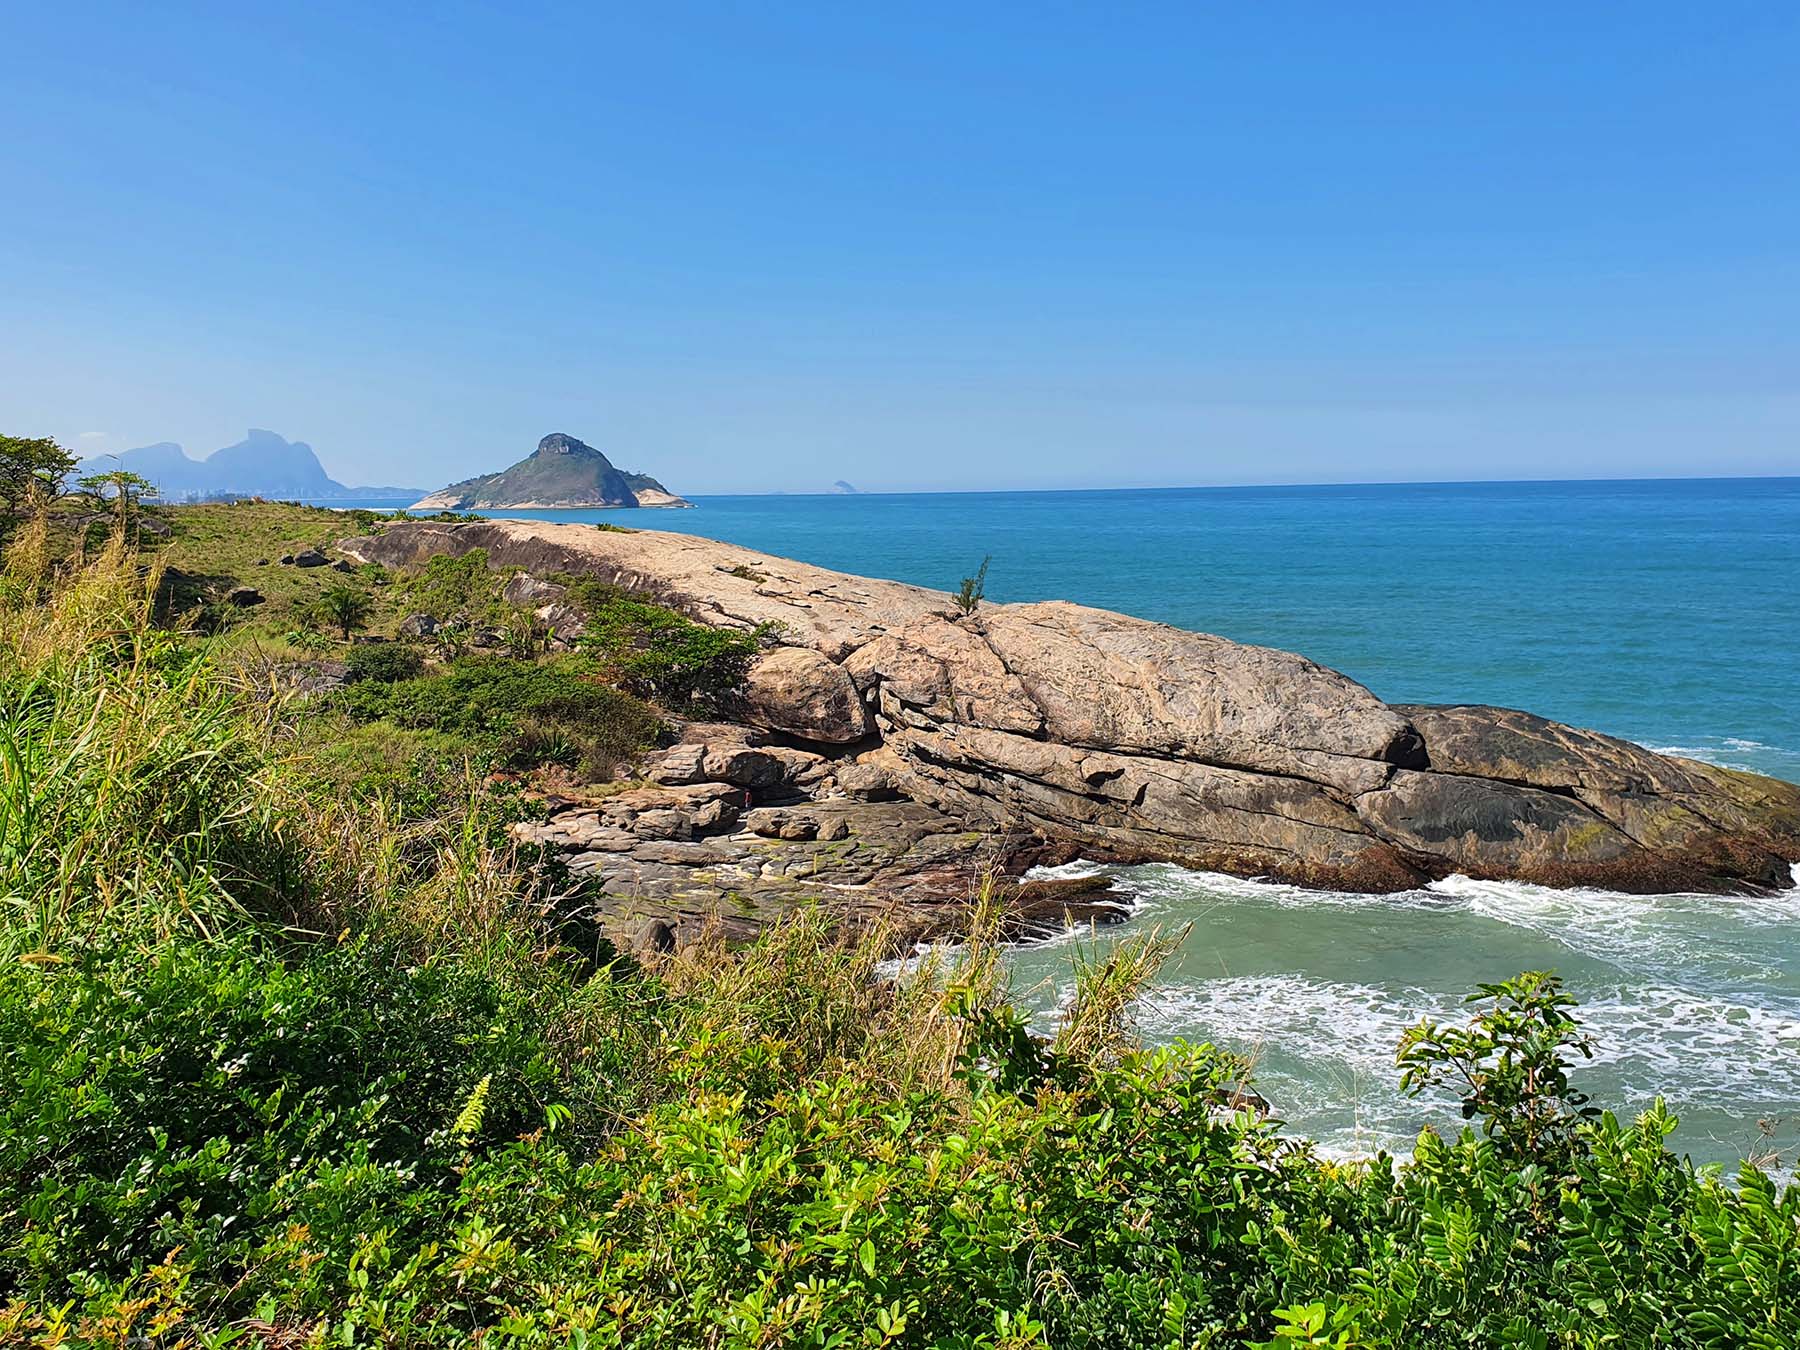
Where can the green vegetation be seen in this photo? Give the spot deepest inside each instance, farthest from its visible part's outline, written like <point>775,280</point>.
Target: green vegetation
<point>30,466</point>
<point>122,489</point>
<point>657,653</point>
<point>973,590</point>
<point>213,546</point>
<point>347,607</point>
<point>384,664</point>
<point>558,712</point>
<point>456,588</point>
<point>294,1065</point>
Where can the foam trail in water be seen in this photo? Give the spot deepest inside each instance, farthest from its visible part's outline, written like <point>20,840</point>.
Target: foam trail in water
<point>1692,997</point>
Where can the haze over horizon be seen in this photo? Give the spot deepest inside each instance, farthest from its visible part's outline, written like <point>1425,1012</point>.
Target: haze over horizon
<point>919,250</point>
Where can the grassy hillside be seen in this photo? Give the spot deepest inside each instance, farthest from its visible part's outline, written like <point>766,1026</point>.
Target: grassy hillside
<point>298,1058</point>
<point>212,547</point>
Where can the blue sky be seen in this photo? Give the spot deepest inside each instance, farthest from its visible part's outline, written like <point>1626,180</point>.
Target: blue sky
<point>915,246</point>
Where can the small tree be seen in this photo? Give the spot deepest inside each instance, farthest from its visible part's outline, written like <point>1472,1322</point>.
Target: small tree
<point>120,486</point>
<point>973,589</point>
<point>28,464</point>
<point>347,607</point>
<point>1511,1065</point>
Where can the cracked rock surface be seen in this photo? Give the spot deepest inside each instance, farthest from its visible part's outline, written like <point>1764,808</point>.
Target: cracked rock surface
<point>1129,740</point>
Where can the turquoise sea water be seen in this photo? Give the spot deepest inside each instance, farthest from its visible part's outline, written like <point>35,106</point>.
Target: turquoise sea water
<point>1667,612</point>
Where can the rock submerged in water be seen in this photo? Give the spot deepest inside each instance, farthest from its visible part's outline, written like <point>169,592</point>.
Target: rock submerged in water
<point>1136,741</point>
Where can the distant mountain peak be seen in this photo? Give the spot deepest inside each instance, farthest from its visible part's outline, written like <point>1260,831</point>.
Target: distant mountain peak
<point>263,464</point>
<point>561,443</point>
<point>564,471</point>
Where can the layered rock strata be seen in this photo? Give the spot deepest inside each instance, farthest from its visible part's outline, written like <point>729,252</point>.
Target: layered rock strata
<point>1133,740</point>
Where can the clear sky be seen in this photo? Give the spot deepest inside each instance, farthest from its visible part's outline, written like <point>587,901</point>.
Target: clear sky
<point>752,247</point>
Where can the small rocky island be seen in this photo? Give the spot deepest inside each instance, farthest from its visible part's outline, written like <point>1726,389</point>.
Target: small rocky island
<point>562,473</point>
<point>888,746</point>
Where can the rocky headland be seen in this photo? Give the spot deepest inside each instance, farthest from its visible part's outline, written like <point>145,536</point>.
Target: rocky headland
<point>562,472</point>
<point>887,747</point>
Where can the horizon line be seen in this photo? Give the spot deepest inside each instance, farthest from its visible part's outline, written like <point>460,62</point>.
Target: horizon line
<point>1250,487</point>
<point>1227,487</point>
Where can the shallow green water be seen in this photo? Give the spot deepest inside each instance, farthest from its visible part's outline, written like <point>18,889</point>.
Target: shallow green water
<point>1695,998</point>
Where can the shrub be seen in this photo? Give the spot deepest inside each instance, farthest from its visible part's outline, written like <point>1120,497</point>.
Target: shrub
<point>519,706</point>
<point>307,640</point>
<point>1510,1062</point>
<point>425,775</point>
<point>656,653</point>
<point>345,606</point>
<point>383,663</point>
<point>973,590</point>
<point>448,586</point>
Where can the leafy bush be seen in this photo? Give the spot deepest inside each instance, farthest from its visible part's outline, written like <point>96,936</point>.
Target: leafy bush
<point>461,586</point>
<point>521,706</point>
<point>345,608</point>
<point>383,663</point>
<point>656,653</point>
<point>1510,1064</point>
<point>307,640</point>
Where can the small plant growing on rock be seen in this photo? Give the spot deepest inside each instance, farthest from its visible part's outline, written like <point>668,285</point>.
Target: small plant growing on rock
<point>973,589</point>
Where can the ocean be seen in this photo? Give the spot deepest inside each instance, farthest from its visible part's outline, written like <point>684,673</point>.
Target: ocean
<point>1666,611</point>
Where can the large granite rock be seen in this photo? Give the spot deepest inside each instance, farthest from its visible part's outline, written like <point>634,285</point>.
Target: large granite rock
<point>1135,740</point>
<point>796,690</point>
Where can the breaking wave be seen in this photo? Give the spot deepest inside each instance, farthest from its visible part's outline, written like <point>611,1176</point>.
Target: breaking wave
<point>1695,998</point>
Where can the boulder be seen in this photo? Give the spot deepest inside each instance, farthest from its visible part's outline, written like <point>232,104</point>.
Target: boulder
<point>564,622</point>
<point>310,557</point>
<point>243,596</point>
<point>746,766</point>
<point>418,626</point>
<point>527,592</point>
<point>682,764</point>
<point>799,692</point>
<point>663,824</point>
<point>308,679</point>
<point>867,780</point>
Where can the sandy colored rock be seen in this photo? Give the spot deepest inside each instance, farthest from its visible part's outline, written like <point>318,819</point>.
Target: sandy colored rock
<point>1136,740</point>
<point>797,691</point>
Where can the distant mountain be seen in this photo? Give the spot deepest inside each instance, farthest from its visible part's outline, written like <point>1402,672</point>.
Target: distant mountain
<point>843,489</point>
<point>561,472</point>
<point>263,464</point>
